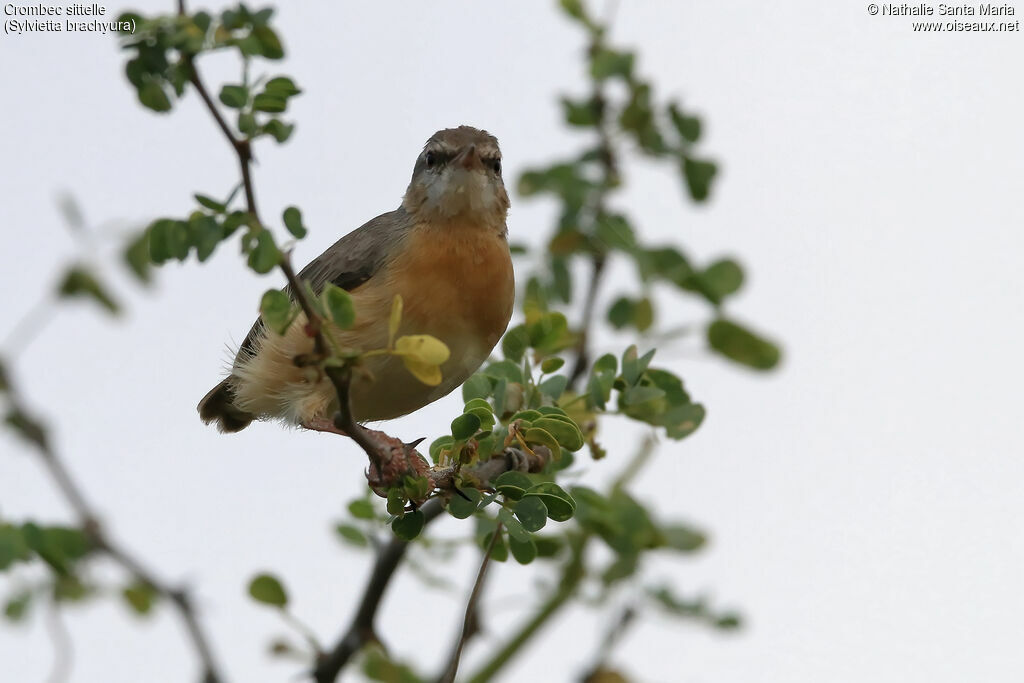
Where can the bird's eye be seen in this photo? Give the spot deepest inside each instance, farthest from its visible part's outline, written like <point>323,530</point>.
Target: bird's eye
<point>430,159</point>
<point>496,166</point>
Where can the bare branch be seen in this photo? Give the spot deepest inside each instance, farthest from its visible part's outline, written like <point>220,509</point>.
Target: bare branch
<point>469,623</point>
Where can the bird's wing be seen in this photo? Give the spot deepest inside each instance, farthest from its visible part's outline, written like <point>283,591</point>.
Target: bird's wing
<point>350,261</point>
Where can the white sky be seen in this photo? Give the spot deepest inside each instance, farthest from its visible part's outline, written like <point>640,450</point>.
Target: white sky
<point>865,501</point>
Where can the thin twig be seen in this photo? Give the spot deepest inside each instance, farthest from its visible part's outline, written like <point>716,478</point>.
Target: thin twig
<point>613,636</point>
<point>582,362</point>
<point>572,575</point>
<point>469,623</point>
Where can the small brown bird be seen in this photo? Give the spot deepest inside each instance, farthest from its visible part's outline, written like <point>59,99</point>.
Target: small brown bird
<point>444,251</point>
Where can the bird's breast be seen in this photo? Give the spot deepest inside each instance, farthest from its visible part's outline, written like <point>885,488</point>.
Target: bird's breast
<point>456,280</point>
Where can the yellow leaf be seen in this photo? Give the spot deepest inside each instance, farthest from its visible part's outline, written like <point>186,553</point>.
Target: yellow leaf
<point>422,348</point>
<point>426,373</point>
<point>396,318</point>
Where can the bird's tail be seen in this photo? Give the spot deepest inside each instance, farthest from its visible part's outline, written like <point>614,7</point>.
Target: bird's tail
<point>217,406</point>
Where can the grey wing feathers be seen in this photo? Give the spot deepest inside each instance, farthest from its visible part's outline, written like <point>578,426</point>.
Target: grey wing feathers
<point>350,261</point>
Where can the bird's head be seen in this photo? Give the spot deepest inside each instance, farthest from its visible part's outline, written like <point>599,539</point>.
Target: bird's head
<point>458,177</point>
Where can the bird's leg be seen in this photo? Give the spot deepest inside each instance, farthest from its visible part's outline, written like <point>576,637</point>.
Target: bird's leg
<point>322,424</point>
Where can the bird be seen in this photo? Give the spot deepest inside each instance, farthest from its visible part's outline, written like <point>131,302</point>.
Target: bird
<point>444,251</point>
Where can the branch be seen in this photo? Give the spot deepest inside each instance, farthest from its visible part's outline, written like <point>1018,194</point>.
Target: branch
<point>571,578</point>
<point>378,449</point>
<point>361,630</point>
<point>469,623</point>
<point>615,634</point>
<point>89,521</point>
<point>579,368</point>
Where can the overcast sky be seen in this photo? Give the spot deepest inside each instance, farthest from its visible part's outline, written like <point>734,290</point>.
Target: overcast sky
<point>864,501</point>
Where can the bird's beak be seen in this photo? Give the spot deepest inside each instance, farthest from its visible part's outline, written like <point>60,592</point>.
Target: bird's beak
<point>469,159</point>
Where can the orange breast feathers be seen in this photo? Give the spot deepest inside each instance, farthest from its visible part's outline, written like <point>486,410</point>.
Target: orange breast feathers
<point>456,281</point>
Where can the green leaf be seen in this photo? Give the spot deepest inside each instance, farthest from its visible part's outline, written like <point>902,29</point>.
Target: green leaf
<point>538,436</point>
<point>478,386</point>
<point>396,501</point>
<point>362,509</point>
<point>699,175</point>
<point>152,96</point>
<point>566,433</point>
<point>270,43</point>
<point>683,538</point>
<point>554,387</point>
<point>279,130</point>
<point>506,369</point>
<point>631,369</point>
<point>265,256</point>
<point>548,546</point>
<point>13,547</point>
<point>574,8</point>
<point>683,420</point>
<point>621,312</point>
<point>641,394</point>
<point>688,126</point>
<point>234,96</point>
<point>440,444</point>
<point>340,309</point>
<point>140,597</point>
<point>247,123</point>
<point>205,233</point>
<point>742,346</point>
<point>605,63</point>
<point>136,257</point>
<point>351,534</point>
<point>267,589</point>
<point>722,278</point>
<point>78,282</point>
<point>210,203</point>
<point>465,426</point>
<point>524,551</point>
<point>532,512</point>
<point>667,263</point>
<point>293,221</point>
<point>559,503</point>
<point>17,606</point>
<point>585,113</point>
<point>552,365</point>
<point>276,310</point>
<point>409,525</point>
<point>460,508</point>
<point>515,342</point>
<point>281,86</point>
<point>168,239</point>
<point>636,312</point>
<point>512,484</point>
<point>272,104</point>
<point>513,526</point>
